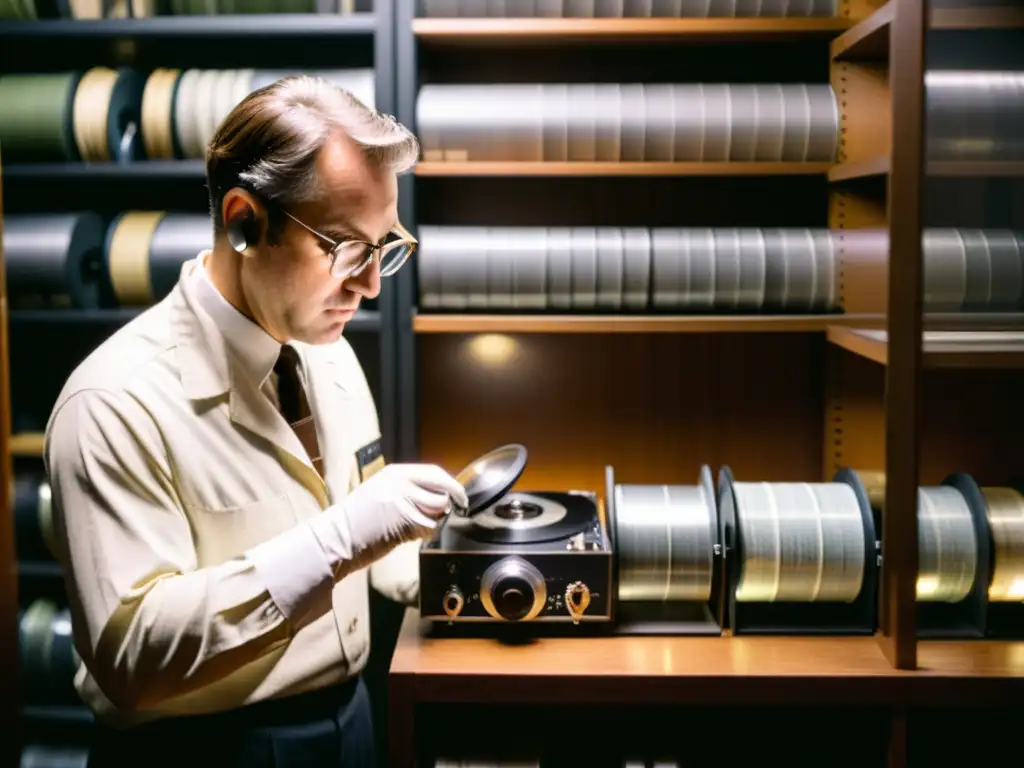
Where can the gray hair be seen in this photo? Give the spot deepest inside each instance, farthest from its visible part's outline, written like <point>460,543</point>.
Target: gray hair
<point>269,142</point>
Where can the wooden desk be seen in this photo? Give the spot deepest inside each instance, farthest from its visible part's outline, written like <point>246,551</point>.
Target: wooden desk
<point>834,671</point>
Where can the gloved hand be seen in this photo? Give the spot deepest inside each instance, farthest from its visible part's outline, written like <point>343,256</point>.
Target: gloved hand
<point>401,503</point>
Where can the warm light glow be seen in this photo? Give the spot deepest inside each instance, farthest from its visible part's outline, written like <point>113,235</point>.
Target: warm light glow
<point>1011,594</point>
<point>927,586</point>
<point>493,349</point>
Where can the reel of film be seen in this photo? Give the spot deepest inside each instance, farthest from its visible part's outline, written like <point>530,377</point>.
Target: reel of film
<point>1004,511</point>
<point>970,580</point>
<point>33,518</point>
<point>48,657</point>
<point>666,556</point>
<point>799,557</point>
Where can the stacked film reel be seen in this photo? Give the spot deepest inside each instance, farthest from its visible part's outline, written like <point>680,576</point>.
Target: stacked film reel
<point>970,580</point>
<point>970,116</point>
<point>53,259</point>
<point>48,656</point>
<point>753,557</point>
<point>613,9</point>
<point>33,518</point>
<point>107,115</point>
<point>666,555</point>
<point>799,557</point>
<point>698,270</point>
<point>181,109</point>
<point>629,269</point>
<point>629,122</point>
<point>145,251</point>
<point>83,261</point>
<point>974,115</point>
<point>91,116</point>
<point>965,270</point>
<point>804,558</point>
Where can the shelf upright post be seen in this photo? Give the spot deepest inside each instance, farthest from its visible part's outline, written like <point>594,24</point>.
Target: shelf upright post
<point>10,692</point>
<point>903,372</point>
<point>384,79</point>
<point>406,83</point>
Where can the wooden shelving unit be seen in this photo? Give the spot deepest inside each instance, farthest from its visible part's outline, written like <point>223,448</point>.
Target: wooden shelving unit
<point>869,39</point>
<point>273,26</point>
<point>940,349</point>
<point>551,323</point>
<point>883,386</point>
<point>40,346</point>
<point>879,166</point>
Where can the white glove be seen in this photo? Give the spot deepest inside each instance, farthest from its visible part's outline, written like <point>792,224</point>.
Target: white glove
<point>400,503</point>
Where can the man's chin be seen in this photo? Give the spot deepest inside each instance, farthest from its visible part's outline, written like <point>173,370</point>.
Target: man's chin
<point>327,333</point>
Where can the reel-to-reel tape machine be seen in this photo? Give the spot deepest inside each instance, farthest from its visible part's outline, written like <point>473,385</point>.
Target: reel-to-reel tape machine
<point>748,557</point>
<point>516,556</point>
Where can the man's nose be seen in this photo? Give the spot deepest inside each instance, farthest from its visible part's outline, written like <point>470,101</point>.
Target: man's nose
<point>367,282</point>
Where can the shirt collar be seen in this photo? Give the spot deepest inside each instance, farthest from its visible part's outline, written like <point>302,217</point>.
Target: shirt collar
<point>252,347</point>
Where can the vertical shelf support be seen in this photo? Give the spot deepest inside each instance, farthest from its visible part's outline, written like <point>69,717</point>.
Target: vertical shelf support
<point>903,373</point>
<point>10,692</point>
<point>406,81</point>
<point>383,65</point>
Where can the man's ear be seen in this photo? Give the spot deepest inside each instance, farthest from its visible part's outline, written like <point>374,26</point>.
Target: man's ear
<point>244,219</point>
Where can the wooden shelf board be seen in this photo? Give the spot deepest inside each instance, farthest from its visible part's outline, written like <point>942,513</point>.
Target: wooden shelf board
<point>966,19</point>
<point>428,168</point>
<point>969,168</point>
<point>940,349</point>
<point>27,444</point>
<point>365,320</point>
<point>246,27</point>
<point>544,323</point>
<point>868,39</point>
<point>860,169</point>
<point>880,166</point>
<point>144,170</point>
<point>976,658</point>
<point>487,32</point>
<point>696,670</point>
<point>608,670</point>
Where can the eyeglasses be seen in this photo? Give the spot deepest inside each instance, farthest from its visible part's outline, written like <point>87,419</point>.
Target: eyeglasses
<point>350,257</point>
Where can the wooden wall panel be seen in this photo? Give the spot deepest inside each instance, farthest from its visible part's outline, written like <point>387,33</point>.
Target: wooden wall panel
<point>10,690</point>
<point>737,61</point>
<point>730,201</point>
<point>862,89</point>
<point>972,420</point>
<point>863,268</point>
<point>654,406</point>
<point>856,10</point>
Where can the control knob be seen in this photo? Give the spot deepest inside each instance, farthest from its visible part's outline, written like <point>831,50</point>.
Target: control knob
<point>453,602</point>
<point>513,590</point>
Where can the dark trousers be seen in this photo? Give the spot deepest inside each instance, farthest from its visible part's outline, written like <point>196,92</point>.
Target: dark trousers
<point>332,728</point>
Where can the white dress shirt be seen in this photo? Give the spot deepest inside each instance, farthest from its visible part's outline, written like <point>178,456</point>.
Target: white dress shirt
<point>184,508</point>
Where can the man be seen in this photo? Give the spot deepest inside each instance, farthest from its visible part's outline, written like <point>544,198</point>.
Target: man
<point>213,462</point>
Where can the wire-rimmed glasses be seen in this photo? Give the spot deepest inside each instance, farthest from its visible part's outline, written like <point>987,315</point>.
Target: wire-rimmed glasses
<point>350,257</point>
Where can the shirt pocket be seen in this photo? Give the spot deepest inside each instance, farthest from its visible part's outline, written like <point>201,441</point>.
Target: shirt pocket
<point>224,533</point>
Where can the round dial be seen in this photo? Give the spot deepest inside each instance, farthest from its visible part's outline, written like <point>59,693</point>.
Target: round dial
<point>513,590</point>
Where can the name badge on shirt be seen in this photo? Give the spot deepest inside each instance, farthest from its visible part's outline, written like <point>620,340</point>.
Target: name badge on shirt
<point>370,460</point>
